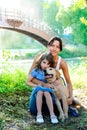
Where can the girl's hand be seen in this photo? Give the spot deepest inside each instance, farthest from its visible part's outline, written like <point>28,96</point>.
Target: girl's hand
<point>57,82</point>
<point>47,85</point>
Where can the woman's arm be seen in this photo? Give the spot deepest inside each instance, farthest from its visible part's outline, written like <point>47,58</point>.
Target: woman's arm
<point>65,71</point>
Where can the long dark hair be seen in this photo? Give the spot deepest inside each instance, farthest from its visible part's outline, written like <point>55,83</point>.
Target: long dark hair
<point>55,39</point>
<point>46,56</point>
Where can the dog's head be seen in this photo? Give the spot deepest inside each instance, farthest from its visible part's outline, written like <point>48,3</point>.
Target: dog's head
<point>51,74</point>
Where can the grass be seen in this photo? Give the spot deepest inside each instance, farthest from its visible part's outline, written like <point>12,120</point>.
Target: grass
<point>14,100</point>
<point>14,114</point>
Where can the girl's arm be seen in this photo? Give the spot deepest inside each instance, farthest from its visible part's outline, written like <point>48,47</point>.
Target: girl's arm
<point>38,82</point>
<point>29,81</point>
<point>34,82</point>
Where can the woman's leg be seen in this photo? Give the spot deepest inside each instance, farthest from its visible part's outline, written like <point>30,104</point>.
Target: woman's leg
<point>39,102</point>
<point>32,104</point>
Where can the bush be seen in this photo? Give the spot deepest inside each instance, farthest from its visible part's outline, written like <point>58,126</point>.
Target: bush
<point>12,82</point>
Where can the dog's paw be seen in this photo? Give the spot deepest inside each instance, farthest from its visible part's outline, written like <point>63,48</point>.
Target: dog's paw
<point>62,117</point>
<point>66,115</point>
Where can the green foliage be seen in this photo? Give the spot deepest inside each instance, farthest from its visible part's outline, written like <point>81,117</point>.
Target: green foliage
<point>13,79</point>
<point>12,82</point>
<point>70,51</point>
<point>75,17</point>
<point>50,10</point>
<point>78,72</point>
<point>2,123</point>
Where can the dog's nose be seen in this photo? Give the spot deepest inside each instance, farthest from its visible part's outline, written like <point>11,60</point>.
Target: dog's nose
<point>45,72</point>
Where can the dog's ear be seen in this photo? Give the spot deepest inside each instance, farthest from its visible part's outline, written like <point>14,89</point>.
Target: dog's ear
<point>57,74</point>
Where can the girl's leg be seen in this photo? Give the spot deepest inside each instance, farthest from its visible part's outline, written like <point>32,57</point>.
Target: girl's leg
<point>39,102</point>
<point>49,102</point>
<point>39,117</point>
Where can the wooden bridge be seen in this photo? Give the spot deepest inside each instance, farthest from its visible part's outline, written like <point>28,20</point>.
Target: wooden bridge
<point>17,21</point>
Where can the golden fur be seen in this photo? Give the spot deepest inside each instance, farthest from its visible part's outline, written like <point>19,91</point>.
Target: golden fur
<point>60,92</point>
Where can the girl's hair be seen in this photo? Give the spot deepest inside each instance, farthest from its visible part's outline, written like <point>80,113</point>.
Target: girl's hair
<point>55,39</point>
<point>46,56</point>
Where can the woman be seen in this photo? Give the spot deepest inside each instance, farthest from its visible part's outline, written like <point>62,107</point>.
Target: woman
<point>54,48</point>
<point>39,92</point>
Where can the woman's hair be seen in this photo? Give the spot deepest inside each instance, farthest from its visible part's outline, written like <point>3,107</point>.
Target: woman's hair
<point>55,39</point>
<point>46,56</point>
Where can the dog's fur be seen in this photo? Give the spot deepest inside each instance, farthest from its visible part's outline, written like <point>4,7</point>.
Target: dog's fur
<point>60,91</point>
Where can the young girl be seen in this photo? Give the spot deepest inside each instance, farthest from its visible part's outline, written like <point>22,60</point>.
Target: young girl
<point>40,92</point>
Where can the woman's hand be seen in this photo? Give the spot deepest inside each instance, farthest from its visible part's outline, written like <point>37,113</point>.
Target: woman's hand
<point>69,100</point>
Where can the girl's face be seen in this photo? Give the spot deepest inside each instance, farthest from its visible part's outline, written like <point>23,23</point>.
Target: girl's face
<point>54,49</point>
<point>44,64</point>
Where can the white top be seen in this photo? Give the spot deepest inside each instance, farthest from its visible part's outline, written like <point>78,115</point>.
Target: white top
<point>58,63</point>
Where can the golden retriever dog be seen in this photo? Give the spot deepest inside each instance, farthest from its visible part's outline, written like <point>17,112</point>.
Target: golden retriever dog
<point>60,91</point>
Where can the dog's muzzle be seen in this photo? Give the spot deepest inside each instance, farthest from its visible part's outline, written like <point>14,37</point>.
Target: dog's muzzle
<point>47,76</point>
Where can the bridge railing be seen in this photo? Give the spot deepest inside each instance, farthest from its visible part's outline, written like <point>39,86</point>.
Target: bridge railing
<point>14,16</point>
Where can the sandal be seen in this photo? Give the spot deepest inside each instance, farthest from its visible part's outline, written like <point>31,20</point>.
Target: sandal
<point>39,119</point>
<point>54,119</point>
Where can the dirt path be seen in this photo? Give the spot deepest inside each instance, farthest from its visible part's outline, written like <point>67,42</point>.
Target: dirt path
<point>81,95</point>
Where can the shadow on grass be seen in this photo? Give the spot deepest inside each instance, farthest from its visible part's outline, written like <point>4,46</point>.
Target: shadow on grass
<point>14,115</point>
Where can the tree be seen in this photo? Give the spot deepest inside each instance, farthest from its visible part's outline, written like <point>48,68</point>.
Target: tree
<point>50,10</point>
<point>75,17</point>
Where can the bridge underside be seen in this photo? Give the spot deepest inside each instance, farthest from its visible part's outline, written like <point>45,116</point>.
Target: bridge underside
<point>16,21</point>
<point>40,39</point>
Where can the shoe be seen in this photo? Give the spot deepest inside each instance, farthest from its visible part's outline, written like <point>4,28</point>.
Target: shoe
<point>39,119</point>
<point>54,119</point>
<point>73,112</point>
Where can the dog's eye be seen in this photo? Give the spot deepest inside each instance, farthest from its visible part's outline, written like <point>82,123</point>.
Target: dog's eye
<point>50,69</point>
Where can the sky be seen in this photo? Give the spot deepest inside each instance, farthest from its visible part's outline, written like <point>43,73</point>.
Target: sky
<point>10,3</point>
<point>18,5</point>
<point>65,3</point>
<point>27,8</point>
